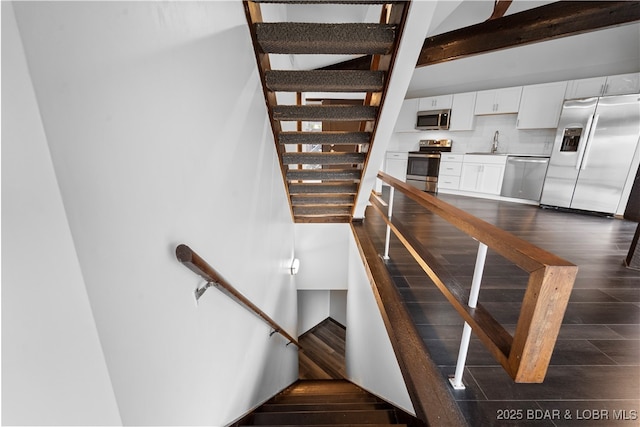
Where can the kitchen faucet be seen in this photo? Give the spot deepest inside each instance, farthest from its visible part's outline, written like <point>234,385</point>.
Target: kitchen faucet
<point>494,145</point>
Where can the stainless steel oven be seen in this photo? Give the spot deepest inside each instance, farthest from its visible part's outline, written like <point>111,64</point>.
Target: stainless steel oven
<point>423,166</point>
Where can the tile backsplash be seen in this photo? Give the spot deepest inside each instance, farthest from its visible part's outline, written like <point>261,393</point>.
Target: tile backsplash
<point>511,140</point>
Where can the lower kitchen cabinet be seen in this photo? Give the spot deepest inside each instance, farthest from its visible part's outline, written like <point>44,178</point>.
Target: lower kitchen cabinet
<point>450,170</point>
<point>482,174</point>
<point>396,164</point>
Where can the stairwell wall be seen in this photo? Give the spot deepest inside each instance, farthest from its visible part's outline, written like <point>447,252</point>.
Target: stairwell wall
<point>157,129</point>
<point>370,358</point>
<point>53,368</point>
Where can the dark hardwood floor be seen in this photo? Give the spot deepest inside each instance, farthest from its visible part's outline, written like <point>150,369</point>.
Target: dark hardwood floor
<point>322,353</point>
<point>594,375</point>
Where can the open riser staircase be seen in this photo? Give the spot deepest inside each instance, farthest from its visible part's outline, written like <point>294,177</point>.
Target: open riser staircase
<point>323,169</point>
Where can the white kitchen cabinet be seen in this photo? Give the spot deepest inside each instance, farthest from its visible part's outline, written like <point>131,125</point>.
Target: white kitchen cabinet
<point>585,88</point>
<point>540,105</point>
<point>620,84</point>
<point>435,102</point>
<point>406,121</point>
<point>450,170</point>
<point>462,108</point>
<point>498,101</point>
<point>482,173</point>
<point>396,164</point>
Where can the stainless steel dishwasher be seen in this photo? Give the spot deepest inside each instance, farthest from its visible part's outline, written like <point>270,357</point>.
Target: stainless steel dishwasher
<point>524,176</point>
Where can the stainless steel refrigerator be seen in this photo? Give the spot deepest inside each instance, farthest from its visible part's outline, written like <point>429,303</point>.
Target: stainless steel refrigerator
<point>592,154</point>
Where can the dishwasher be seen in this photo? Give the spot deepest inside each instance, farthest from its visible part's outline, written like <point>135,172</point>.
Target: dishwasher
<point>524,177</point>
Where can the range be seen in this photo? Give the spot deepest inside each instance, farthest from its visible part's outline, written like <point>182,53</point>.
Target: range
<point>423,165</point>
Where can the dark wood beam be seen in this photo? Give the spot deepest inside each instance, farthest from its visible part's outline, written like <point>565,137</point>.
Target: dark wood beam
<point>554,20</point>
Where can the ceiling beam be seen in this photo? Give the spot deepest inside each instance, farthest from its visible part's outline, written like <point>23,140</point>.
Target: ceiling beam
<point>554,20</point>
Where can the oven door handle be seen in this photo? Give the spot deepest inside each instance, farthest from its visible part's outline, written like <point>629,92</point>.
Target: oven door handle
<point>425,156</point>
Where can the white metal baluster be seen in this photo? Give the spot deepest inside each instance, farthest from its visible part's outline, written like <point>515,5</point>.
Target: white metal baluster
<point>456,381</point>
<point>389,213</point>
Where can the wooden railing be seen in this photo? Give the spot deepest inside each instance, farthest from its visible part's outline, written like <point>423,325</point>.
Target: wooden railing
<point>525,356</point>
<point>199,266</point>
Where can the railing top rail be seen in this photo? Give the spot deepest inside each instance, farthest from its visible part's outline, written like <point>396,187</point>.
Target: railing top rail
<point>195,263</point>
<point>526,255</point>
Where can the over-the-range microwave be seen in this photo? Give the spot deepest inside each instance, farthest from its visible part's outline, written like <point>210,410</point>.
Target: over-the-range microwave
<point>433,119</point>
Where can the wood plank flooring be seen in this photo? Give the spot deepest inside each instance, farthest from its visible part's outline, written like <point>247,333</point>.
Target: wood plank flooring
<point>322,353</point>
<point>594,375</point>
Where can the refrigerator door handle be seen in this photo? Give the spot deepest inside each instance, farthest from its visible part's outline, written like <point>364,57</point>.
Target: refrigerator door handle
<point>588,145</point>
<point>586,137</point>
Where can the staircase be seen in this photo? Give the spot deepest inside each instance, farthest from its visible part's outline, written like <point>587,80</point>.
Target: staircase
<point>324,403</point>
<point>322,169</point>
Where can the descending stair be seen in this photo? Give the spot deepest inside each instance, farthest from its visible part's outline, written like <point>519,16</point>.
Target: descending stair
<point>323,185</point>
<point>324,403</point>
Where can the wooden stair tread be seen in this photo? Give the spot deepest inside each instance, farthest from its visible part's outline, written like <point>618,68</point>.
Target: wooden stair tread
<point>324,138</point>
<point>323,175</point>
<point>322,210</point>
<point>324,80</point>
<point>326,417</point>
<point>322,199</point>
<point>322,38</point>
<point>322,158</point>
<point>329,425</point>
<point>323,188</point>
<point>315,407</point>
<point>318,113</point>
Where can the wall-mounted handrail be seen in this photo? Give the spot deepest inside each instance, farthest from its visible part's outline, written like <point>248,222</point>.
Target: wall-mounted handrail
<point>199,266</point>
<point>525,355</point>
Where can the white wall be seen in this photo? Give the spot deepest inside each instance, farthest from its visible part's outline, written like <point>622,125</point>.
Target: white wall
<point>322,251</point>
<point>157,129</point>
<point>313,308</point>
<point>338,306</point>
<point>323,277</point>
<point>371,361</point>
<point>53,369</point>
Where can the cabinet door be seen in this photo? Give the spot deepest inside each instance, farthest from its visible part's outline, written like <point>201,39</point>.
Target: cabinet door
<point>508,100</point>
<point>485,102</point>
<point>490,179</point>
<point>462,117</point>
<point>585,88</point>
<point>622,84</point>
<point>406,121</point>
<point>396,165</point>
<point>470,176</point>
<point>541,105</point>
<point>435,102</point>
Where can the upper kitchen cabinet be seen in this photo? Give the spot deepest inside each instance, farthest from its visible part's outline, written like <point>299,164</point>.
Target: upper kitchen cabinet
<point>406,121</point>
<point>498,101</point>
<point>541,105</point>
<point>620,84</point>
<point>462,109</point>
<point>435,103</point>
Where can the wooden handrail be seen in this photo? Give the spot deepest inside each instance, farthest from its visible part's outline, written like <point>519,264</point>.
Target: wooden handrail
<point>526,354</point>
<point>199,266</point>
